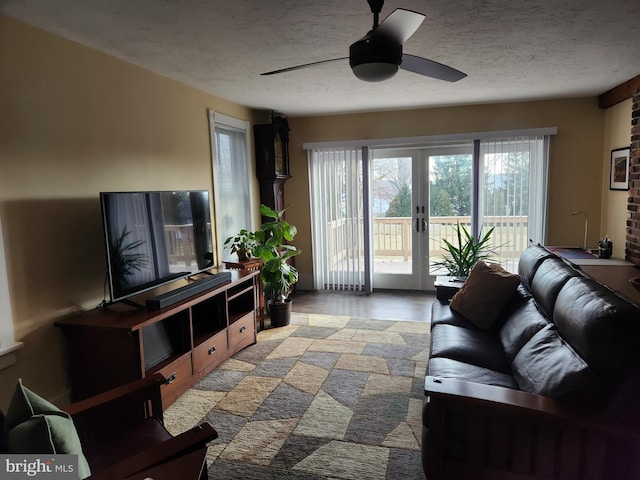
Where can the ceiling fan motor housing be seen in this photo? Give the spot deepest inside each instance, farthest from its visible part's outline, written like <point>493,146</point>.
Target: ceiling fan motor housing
<point>375,60</point>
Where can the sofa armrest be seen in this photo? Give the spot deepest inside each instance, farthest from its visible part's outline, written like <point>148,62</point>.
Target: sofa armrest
<point>492,396</point>
<point>481,431</point>
<point>178,446</point>
<point>524,403</point>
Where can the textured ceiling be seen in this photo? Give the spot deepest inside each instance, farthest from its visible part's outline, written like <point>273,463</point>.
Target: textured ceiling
<point>510,49</point>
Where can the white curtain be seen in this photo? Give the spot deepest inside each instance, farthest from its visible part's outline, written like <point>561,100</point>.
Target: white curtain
<point>513,193</point>
<point>337,218</point>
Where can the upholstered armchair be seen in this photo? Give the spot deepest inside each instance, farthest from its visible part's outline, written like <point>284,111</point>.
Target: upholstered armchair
<point>117,434</point>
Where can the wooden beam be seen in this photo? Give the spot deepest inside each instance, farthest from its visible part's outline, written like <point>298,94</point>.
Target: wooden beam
<point>620,93</point>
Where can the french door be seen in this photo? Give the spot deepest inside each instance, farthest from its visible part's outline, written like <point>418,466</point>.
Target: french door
<point>409,187</point>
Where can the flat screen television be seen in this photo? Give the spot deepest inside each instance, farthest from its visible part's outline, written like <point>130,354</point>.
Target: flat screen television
<point>153,238</point>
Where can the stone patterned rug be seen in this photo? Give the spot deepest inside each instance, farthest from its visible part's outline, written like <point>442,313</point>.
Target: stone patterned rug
<point>326,397</point>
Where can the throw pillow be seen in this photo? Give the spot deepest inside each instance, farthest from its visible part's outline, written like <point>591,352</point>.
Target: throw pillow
<point>34,425</point>
<point>485,293</point>
<point>547,365</point>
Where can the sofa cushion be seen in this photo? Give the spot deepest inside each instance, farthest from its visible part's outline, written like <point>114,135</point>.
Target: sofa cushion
<point>598,324</point>
<point>547,365</point>
<point>485,294</point>
<point>448,368</point>
<point>529,262</point>
<point>33,425</point>
<point>549,278</point>
<point>521,324</point>
<point>476,347</point>
<point>442,314</point>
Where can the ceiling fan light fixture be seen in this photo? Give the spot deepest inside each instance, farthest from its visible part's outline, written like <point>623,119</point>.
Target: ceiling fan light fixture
<point>375,60</point>
<point>375,71</point>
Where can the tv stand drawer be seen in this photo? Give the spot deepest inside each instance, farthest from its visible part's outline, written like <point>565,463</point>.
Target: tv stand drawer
<point>242,332</point>
<point>210,352</point>
<point>178,375</point>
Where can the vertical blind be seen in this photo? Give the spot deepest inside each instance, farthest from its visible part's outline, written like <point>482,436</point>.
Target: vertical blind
<point>337,218</point>
<point>513,190</point>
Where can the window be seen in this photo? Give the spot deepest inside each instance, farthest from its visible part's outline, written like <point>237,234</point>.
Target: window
<point>7,342</point>
<point>232,192</point>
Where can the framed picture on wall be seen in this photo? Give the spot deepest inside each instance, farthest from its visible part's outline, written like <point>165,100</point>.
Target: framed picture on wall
<point>619,179</point>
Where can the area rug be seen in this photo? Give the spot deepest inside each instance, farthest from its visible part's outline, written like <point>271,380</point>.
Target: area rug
<point>323,398</point>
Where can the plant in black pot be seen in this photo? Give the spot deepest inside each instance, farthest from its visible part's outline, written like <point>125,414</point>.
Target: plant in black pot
<point>278,275</point>
<point>468,250</point>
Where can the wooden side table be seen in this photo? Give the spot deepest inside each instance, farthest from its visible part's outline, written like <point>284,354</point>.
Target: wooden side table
<point>250,265</point>
<point>446,288</point>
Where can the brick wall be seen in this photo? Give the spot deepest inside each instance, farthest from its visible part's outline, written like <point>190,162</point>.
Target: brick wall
<point>632,250</point>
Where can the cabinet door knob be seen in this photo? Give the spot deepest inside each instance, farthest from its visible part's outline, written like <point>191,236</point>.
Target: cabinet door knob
<point>171,378</point>
<point>242,328</point>
<point>212,349</point>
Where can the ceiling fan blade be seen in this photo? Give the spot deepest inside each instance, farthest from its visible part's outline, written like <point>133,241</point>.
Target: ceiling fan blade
<point>306,65</point>
<point>399,25</point>
<point>429,68</point>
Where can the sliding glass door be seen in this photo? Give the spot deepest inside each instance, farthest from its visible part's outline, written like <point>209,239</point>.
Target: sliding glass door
<point>380,215</point>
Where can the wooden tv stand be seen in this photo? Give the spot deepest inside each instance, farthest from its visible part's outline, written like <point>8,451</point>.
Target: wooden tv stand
<point>184,342</point>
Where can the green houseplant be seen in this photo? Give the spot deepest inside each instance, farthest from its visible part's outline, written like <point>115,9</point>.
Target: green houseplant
<point>278,275</point>
<point>242,243</point>
<point>468,250</point>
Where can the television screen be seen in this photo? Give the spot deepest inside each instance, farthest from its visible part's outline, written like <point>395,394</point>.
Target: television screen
<point>155,237</point>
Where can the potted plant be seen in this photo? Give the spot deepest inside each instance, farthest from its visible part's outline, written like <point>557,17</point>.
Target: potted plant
<point>278,276</point>
<point>242,243</point>
<point>468,251</point>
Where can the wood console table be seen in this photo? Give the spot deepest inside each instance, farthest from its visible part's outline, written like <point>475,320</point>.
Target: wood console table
<point>616,277</point>
<point>614,273</point>
<point>185,341</point>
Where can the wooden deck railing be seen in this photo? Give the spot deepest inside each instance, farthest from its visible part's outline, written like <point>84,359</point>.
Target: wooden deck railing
<point>392,235</point>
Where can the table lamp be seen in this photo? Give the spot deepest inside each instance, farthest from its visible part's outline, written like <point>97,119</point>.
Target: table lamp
<point>586,226</point>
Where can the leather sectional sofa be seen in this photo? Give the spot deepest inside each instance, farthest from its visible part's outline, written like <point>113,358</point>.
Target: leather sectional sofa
<point>551,389</point>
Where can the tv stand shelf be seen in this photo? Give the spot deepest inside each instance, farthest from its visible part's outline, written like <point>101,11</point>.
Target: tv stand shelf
<point>184,341</point>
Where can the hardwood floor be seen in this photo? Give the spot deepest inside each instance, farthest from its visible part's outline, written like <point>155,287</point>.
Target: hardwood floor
<point>379,305</point>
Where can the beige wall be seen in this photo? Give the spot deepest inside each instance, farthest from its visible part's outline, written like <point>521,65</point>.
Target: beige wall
<point>575,156</point>
<point>76,122</point>
<point>617,134</point>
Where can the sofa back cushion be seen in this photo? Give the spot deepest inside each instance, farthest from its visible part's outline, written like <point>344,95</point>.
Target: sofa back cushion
<point>529,262</point>
<point>521,324</point>
<point>547,365</point>
<point>549,278</point>
<point>598,324</point>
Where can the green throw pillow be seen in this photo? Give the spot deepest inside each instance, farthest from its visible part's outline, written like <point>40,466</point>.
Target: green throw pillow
<point>34,425</point>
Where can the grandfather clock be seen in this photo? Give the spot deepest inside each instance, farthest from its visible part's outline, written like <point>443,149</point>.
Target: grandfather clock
<point>272,160</point>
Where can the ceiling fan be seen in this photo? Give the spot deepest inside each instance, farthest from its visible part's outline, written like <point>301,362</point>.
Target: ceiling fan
<point>378,55</point>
